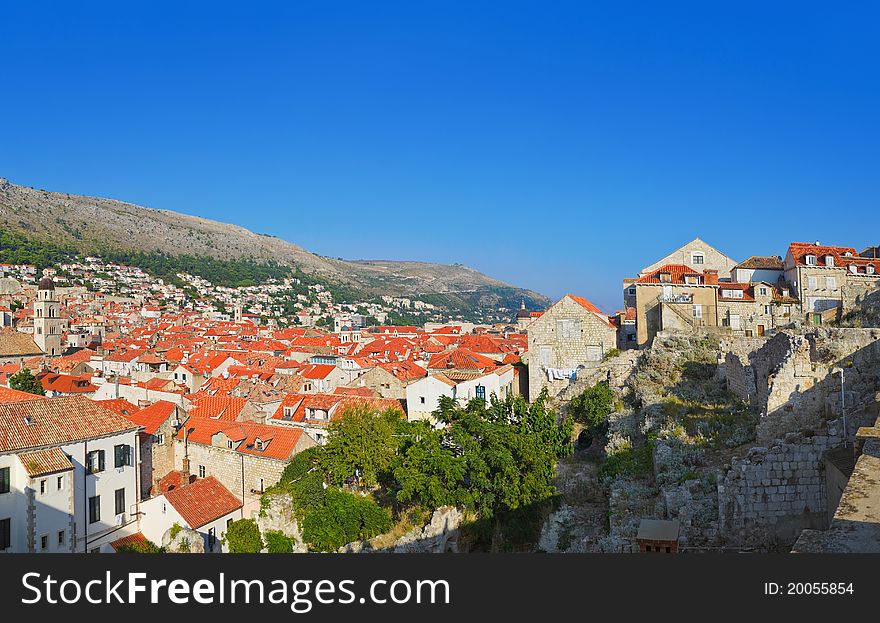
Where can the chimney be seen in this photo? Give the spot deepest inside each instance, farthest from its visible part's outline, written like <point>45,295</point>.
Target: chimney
<point>184,472</point>
<point>710,277</point>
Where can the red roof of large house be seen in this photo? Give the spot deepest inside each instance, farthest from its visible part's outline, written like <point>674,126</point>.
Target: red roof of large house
<point>282,440</point>
<point>843,257</point>
<point>36,423</point>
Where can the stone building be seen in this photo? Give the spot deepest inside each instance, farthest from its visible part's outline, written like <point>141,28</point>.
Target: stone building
<point>674,297</point>
<point>825,277</point>
<point>753,309</point>
<point>572,333</point>
<point>697,254</point>
<point>245,457</point>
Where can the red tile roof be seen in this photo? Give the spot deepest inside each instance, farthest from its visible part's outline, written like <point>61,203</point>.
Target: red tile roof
<point>42,462</point>
<point>36,423</point>
<point>203,501</point>
<point>218,407</point>
<point>152,417</point>
<point>677,272</point>
<point>13,395</point>
<point>284,439</point>
<point>119,405</point>
<point>66,383</point>
<point>800,250</point>
<point>461,359</point>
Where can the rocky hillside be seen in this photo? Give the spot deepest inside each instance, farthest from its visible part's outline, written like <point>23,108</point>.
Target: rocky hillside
<point>90,224</point>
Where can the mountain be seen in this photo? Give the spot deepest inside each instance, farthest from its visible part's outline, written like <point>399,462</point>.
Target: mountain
<point>94,225</point>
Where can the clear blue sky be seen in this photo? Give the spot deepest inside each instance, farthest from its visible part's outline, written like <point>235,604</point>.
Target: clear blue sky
<point>556,145</point>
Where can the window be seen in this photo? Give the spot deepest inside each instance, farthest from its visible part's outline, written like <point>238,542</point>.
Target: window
<point>5,533</point>
<point>95,461</point>
<point>160,439</point>
<point>44,541</point>
<point>95,509</point>
<point>698,258</point>
<point>62,537</point>
<point>481,392</point>
<point>229,444</point>
<point>831,283</point>
<point>545,356</point>
<point>421,400</point>
<point>59,483</point>
<point>631,291</point>
<point>762,291</point>
<point>810,260</point>
<point>201,471</point>
<point>121,455</point>
<point>812,283</point>
<point>698,311</point>
<point>4,480</point>
<point>120,501</point>
<point>869,269</point>
<point>732,294</point>
<point>767,310</point>
<point>43,487</point>
<point>568,329</point>
<point>829,260</point>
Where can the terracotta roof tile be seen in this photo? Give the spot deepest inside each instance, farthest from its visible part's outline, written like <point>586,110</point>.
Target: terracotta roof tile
<point>36,423</point>
<point>202,501</point>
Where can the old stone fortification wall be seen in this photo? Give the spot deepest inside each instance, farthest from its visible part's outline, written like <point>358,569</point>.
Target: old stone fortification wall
<point>790,380</point>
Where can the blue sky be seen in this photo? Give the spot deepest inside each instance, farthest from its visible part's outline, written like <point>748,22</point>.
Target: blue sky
<point>560,146</point>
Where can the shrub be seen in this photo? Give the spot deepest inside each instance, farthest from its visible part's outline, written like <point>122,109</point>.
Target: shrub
<point>278,543</point>
<point>343,518</point>
<point>243,537</point>
<point>592,406</point>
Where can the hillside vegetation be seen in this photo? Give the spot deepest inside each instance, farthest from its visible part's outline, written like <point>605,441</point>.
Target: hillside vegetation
<point>110,228</point>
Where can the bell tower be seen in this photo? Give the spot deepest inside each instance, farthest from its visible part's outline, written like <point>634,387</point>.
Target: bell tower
<point>48,325</point>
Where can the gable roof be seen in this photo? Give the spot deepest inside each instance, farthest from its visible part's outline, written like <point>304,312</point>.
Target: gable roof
<point>202,501</point>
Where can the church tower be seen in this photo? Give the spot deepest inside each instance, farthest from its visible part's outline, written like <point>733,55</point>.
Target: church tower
<point>48,325</point>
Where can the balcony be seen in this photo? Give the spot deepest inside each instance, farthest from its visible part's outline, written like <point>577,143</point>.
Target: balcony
<point>676,298</point>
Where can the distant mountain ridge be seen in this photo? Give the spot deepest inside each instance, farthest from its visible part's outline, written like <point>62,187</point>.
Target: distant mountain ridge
<point>90,224</point>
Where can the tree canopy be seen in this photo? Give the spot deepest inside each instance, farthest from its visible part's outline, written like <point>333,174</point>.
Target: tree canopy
<point>25,381</point>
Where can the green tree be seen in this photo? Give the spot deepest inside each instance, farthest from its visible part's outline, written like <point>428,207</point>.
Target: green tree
<point>362,443</point>
<point>24,381</point>
<point>243,537</point>
<point>592,406</point>
<point>490,458</point>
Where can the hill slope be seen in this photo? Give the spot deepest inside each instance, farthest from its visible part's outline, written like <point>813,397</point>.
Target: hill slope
<point>92,224</point>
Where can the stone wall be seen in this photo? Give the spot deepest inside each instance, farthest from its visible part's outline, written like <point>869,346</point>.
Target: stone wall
<point>228,466</point>
<point>790,379</point>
